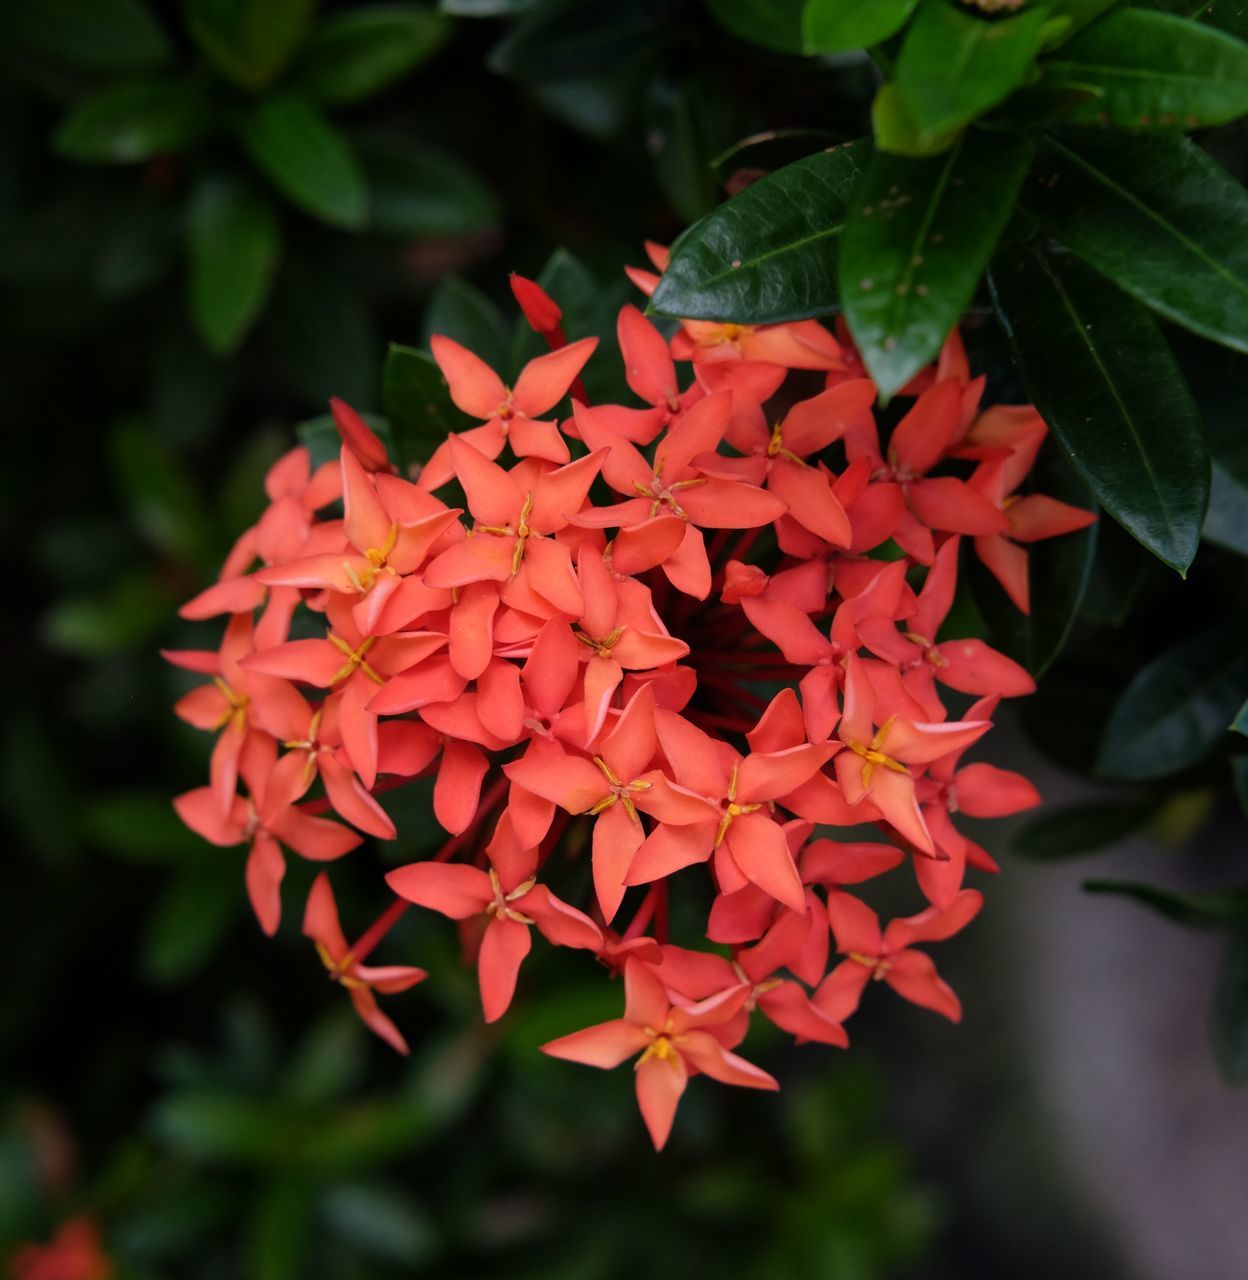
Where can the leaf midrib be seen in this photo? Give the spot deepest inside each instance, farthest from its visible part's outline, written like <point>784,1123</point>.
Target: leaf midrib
<point>1099,175</point>
<point>1077,324</point>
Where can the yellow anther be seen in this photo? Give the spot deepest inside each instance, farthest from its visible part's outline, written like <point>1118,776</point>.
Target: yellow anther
<point>601,645</point>
<point>355,659</point>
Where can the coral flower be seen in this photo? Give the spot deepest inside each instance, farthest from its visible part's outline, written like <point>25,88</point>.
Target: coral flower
<point>674,1042</point>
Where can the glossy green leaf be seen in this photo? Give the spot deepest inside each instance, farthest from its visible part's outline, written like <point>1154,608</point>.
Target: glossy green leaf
<point>954,66</point>
<point>1178,708</point>
<point>1197,910</point>
<point>1229,1011</point>
<point>917,240</point>
<point>235,241</point>
<point>250,41</point>
<point>94,35</point>
<point>1097,367</point>
<point>1154,71</point>
<point>307,159</point>
<point>833,26</point>
<point>1076,829</point>
<point>461,311</point>
<point>768,254</point>
<point>774,24</point>
<point>1158,216</point>
<point>1227,15</point>
<point>135,120</point>
<point>1059,570</point>
<point>418,190</point>
<point>418,404</point>
<point>356,53</point>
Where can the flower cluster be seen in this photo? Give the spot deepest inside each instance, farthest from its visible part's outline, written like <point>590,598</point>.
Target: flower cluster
<point>692,636</point>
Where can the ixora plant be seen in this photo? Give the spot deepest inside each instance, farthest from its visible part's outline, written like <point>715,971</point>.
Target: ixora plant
<point>646,651</point>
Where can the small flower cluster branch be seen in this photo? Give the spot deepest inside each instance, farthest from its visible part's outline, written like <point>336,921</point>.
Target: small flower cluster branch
<point>677,638</point>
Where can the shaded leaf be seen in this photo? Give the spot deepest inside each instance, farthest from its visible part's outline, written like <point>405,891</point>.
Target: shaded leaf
<point>1239,779</point>
<point>570,40</point>
<point>94,35</point>
<point>139,826</point>
<point>774,24</point>
<point>1154,71</point>
<point>1098,369</point>
<point>833,26</point>
<point>1226,15</point>
<point>418,404</point>
<point>136,120</point>
<point>897,129</point>
<point>189,922</point>
<point>419,190</point>
<point>320,436</point>
<point>126,615</point>
<point>1178,707</point>
<point>954,66</point>
<point>380,1222</point>
<point>1198,910</point>
<point>768,254</point>
<point>916,243</point>
<point>1226,522</point>
<point>1076,829</point>
<point>356,53</point>
<point>307,159</point>
<point>235,241</point>
<point>250,41</point>
<point>678,137</point>
<point>461,311</point>
<point>1158,216</point>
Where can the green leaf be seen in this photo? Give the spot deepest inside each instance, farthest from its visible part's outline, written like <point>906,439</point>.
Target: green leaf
<point>678,137</point>
<point>135,120</point>
<point>158,493</point>
<point>1082,828</point>
<point>356,53</point>
<point>1159,217</point>
<point>1178,708</point>
<point>768,254</point>
<point>138,826</point>
<point>1227,15</point>
<point>953,67</point>
<point>1059,570</point>
<point>1154,71</point>
<point>418,190</point>
<point>307,159</point>
<point>92,35</point>
<point>235,241</point>
<point>897,128</point>
<point>1077,12</point>
<point>774,24</point>
<point>250,41</point>
<point>188,924</point>
<point>1198,910</point>
<point>917,240</point>
<point>215,1125</point>
<point>833,26</point>
<point>1240,723</point>
<point>572,40</point>
<point>1097,367</point>
<point>279,1230</point>
<point>461,311</point>
<point>1229,1012</point>
<point>125,616</point>
<point>418,404</point>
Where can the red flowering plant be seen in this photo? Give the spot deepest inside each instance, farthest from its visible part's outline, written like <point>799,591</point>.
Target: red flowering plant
<point>691,641</point>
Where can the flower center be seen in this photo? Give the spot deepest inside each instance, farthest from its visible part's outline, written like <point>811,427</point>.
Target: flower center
<point>355,659</point>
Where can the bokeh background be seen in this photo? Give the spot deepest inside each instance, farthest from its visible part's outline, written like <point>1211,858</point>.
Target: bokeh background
<point>202,1094</point>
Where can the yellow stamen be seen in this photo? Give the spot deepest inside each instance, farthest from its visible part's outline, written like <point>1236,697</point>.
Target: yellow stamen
<point>355,659</point>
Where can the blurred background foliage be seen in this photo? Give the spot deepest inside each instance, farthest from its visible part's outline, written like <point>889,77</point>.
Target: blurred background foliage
<point>213,215</point>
